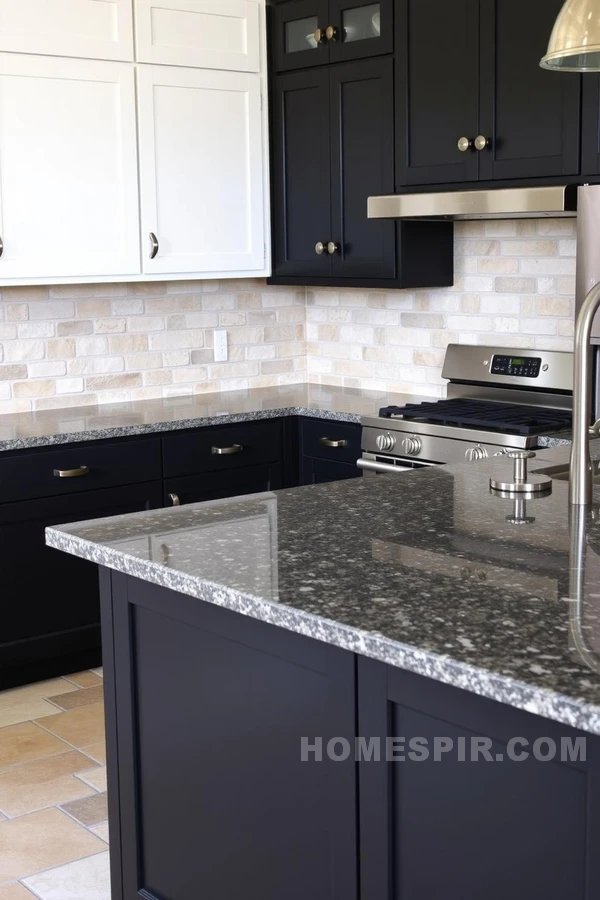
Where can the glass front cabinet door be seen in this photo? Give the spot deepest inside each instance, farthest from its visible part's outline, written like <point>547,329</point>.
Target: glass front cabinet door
<point>359,30</point>
<point>315,32</point>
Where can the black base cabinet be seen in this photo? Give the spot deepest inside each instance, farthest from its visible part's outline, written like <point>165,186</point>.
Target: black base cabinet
<point>208,794</point>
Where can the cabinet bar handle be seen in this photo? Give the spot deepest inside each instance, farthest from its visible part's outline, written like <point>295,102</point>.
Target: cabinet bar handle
<point>326,442</point>
<point>1,246</point>
<point>154,245</point>
<point>227,451</point>
<point>71,473</point>
<point>175,501</point>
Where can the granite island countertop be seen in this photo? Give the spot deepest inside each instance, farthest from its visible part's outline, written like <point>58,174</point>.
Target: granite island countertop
<point>22,431</point>
<point>421,571</point>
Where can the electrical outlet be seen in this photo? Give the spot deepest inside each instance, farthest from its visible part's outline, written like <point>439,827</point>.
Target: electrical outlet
<point>220,345</point>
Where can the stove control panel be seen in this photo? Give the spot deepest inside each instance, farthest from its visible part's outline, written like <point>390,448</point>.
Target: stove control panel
<point>516,366</point>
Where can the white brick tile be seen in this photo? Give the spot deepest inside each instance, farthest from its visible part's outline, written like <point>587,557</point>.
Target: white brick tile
<point>470,323</point>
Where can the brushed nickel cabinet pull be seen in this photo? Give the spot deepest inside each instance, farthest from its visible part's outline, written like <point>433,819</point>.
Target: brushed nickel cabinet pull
<point>227,451</point>
<point>481,142</point>
<point>319,36</point>
<point>332,247</point>
<point>174,498</point>
<point>464,144</point>
<point>154,245</point>
<point>71,473</point>
<point>326,442</point>
<point>331,33</point>
<point>320,248</point>
<point>1,246</point>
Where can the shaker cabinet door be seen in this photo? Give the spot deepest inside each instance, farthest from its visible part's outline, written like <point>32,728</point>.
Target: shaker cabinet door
<point>361,29</point>
<point>68,168</point>
<point>530,117</point>
<point>209,34</point>
<point>362,165</point>
<point>201,171</point>
<point>298,37</point>
<point>84,28</point>
<point>301,174</point>
<point>437,47</point>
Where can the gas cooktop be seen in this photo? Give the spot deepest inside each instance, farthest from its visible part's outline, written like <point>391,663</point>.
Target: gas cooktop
<point>507,418</point>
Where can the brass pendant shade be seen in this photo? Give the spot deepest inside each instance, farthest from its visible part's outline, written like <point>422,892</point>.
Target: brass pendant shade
<point>575,41</point>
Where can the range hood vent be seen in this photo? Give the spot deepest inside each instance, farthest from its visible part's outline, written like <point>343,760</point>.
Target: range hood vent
<point>504,203</point>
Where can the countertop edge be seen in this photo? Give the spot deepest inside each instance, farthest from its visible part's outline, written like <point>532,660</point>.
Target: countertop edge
<point>123,431</point>
<point>492,685</point>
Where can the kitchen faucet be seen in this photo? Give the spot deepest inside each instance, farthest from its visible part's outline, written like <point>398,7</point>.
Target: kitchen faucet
<point>580,477</point>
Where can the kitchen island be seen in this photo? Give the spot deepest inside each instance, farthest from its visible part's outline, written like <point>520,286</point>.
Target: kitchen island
<point>243,635</point>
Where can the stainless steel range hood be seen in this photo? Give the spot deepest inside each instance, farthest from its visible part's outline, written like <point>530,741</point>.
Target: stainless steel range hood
<point>505,203</point>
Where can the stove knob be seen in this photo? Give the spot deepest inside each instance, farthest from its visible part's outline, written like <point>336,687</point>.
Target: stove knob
<point>473,454</point>
<point>385,442</point>
<point>501,453</point>
<point>411,446</point>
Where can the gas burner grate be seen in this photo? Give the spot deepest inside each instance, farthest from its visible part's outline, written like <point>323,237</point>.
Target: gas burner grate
<point>505,417</point>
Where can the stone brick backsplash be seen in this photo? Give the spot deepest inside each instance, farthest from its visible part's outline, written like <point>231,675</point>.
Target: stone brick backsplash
<point>515,285</point>
<point>85,344</point>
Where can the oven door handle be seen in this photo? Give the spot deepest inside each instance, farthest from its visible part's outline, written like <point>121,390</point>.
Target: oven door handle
<point>373,466</point>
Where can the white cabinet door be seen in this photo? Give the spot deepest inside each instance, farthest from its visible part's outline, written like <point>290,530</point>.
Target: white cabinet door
<point>100,29</point>
<point>208,34</point>
<point>68,168</point>
<point>201,170</point>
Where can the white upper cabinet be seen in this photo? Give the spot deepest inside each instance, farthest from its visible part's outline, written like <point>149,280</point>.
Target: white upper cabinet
<point>68,168</point>
<point>202,171</point>
<point>208,34</point>
<point>99,29</point>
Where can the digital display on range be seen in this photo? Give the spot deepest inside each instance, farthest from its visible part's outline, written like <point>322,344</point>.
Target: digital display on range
<point>516,366</point>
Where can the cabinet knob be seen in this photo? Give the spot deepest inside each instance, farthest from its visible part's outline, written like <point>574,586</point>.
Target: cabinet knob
<point>154,245</point>
<point>320,248</point>
<point>332,247</point>
<point>464,144</point>
<point>481,142</point>
<point>320,36</point>
<point>331,33</point>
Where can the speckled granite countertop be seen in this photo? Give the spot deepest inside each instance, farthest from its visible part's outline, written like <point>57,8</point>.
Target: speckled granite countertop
<point>421,571</point>
<point>21,431</point>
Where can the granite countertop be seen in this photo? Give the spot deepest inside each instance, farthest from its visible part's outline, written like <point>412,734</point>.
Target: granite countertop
<point>21,431</point>
<point>421,570</point>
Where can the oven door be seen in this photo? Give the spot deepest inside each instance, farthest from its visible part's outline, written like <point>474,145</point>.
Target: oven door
<point>379,464</point>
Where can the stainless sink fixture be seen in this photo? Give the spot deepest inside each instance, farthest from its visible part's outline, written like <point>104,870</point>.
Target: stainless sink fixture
<point>563,472</point>
<point>499,400</point>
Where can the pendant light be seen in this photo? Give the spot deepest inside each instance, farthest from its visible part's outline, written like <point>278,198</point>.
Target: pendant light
<point>575,41</point>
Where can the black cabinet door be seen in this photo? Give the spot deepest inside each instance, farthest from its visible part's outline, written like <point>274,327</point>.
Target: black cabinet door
<point>301,174</point>
<point>441,824</point>
<point>319,471</point>
<point>213,799</point>
<point>294,44</point>
<point>50,605</point>
<point>360,29</point>
<point>437,51</point>
<point>213,485</point>
<point>531,117</point>
<point>590,143</point>
<point>362,164</point>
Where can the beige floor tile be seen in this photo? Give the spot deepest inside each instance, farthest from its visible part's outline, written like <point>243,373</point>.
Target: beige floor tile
<point>79,698</point>
<point>101,829</point>
<point>39,690</point>
<point>15,892</point>
<point>45,782</point>
<point>24,710</point>
<point>96,751</point>
<point>86,879</point>
<point>96,778</point>
<point>88,811</point>
<point>78,726</point>
<point>84,679</point>
<point>98,672</point>
<point>41,840</point>
<point>25,742</point>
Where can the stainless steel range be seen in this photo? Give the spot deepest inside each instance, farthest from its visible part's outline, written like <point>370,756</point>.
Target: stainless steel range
<point>497,400</point>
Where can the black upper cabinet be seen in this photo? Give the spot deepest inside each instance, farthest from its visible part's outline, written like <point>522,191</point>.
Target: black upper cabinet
<point>531,117</point>
<point>312,32</point>
<point>301,173</point>
<point>333,147</point>
<point>590,144</point>
<point>437,90</point>
<point>465,71</point>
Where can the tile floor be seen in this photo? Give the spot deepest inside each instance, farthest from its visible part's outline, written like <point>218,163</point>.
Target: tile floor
<point>53,828</point>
